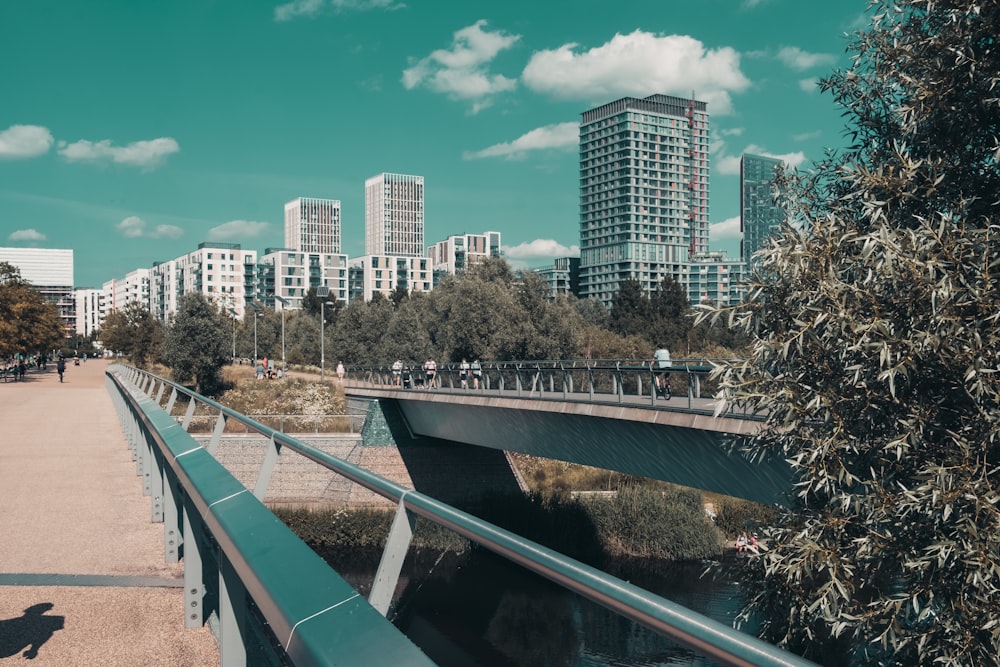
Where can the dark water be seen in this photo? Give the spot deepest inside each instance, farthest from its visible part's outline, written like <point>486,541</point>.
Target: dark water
<point>477,609</point>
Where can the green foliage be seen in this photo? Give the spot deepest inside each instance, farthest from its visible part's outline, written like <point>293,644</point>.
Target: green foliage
<point>644,521</point>
<point>134,332</point>
<point>733,515</point>
<point>198,343</point>
<point>875,356</point>
<point>325,528</point>
<point>28,323</point>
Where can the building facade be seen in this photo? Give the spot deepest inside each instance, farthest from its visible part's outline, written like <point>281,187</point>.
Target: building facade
<point>458,253</point>
<point>394,215</point>
<point>289,274</point>
<point>644,187</point>
<point>89,310</point>
<point>761,213</point>
<point>563,277</point>
<point>382,274</point>
<point>223,272</point>
<point>711,278</point>
<point>313,225</point>
<point>50,273</point>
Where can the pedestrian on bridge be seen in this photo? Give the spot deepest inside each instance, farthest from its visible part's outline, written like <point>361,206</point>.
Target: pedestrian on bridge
<point>430,370</point>
<point>463,373</point>
<point>61,367</point>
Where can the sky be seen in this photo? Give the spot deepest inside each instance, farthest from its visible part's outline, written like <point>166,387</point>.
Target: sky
<point>133,131</point>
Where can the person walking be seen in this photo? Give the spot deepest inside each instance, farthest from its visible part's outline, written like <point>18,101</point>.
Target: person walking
<point>397,371</point>
<point>463,373</point>
<point>340,370</point>
<point>477,373</point>
<point>61,367</point>
<point>430,370</point>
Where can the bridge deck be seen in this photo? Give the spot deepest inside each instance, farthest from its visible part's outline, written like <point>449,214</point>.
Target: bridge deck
<point>81,566</point>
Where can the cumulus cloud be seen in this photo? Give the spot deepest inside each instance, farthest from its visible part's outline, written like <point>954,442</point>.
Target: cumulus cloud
<point>726,230</point>
<point>26,235</point>
<point>145,154</point>
<point>639,64</point>
<point>799,60</point>
<point>538,252</point>
<point>312,8</point>
<point>810,85</point>
<point>24,141</point>
<point>462,72</point>
<point>234,230</point>
<point>134,227</point>
<point>558,136</point>
<point>730,164</point>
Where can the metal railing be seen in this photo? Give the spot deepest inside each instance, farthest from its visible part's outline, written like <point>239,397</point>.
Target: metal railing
<point>145,393</point>
<point>617,381</point>
<point>333,424</point>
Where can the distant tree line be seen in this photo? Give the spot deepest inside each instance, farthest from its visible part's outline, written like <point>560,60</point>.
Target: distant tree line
<point>29,324</point>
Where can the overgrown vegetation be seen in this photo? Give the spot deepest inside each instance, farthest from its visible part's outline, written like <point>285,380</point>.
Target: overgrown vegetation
<point>876,352</point>
<point>29,325</point>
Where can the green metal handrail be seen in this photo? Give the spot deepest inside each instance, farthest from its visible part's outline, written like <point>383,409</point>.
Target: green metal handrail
<point>695,631</point>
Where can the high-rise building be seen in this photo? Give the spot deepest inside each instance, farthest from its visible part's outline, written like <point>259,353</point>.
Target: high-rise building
<point>643,191</point>
<point>712,278</point>
<point>313,225</point>
<point>89,310</point>
<point>394,215</point>
<point>563,277</point>
<point>50,272</point>
<point>761,212</point>
<point>460,252</point>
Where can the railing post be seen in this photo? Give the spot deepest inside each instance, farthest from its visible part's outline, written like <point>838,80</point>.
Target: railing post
<point>188,414</point>
<point>232,616</point>
<point>220,426</point>
<point>194,586</point>
<point>172,538</point>
<point>266,470</point>
<point>171,400</point>
<point>393,556</point>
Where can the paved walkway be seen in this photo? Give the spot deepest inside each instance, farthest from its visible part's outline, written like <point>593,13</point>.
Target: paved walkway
<point>82,575</point>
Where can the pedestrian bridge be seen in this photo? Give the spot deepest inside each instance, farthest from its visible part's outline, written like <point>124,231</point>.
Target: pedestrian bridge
<point>594,413</point>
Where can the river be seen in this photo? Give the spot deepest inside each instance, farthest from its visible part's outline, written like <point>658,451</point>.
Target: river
<point>478,610</point>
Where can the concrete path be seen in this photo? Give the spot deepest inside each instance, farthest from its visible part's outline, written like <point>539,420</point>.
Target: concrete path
<point>82,575</point>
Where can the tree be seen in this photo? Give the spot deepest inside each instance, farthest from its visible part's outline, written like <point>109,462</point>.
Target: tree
<point>134,332</point>
<point>875,356</point>
<point>28,323</point>
<point>631,310</point>
<point>198,343</point>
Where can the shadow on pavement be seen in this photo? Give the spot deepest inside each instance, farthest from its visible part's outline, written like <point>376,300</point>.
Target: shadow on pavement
<point>29,631</point>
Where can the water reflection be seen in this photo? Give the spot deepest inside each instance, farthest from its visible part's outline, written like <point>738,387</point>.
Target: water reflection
<point>479,609</point>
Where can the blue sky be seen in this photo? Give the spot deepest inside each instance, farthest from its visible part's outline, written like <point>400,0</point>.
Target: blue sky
<point>132,131</point>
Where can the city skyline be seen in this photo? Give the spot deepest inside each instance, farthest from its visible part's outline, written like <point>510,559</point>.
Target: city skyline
<point>138,132</point>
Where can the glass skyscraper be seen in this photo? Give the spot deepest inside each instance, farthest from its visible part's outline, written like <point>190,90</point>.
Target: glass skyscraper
<point>643,192</point>
<point>760,210</point>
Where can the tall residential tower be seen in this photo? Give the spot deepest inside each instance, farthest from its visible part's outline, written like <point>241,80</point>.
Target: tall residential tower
<point>760,210</point>
<point>643,192</point>
<point>313,225</point>
<point>394,215</point>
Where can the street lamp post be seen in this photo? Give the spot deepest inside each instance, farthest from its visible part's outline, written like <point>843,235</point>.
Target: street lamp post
<point>323,292</point>
<point>233,313</point>
<point>284,302</point>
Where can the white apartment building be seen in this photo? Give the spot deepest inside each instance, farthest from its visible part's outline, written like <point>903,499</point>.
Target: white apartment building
<point>89,310</point>
<point>50,272</point>
<point>118,292</point>
<point>712,278</point>
<point>313,225</point>
<point>289,274</point>
<point>394,215</point>
<point>460,252</point>
<point>223,272</point>
<point>373,274</point>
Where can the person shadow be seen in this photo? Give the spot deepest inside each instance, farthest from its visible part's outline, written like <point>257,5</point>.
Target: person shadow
<point>29,631</point>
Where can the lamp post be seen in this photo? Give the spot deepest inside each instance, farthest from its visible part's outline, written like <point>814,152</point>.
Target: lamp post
<point>323,292</point>
<point>284,302</point>
<point>233,313</point>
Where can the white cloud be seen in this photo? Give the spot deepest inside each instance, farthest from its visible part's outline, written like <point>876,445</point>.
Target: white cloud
<point>810,85</point>
<point>639,64</point>
<point>726,230</point>
<point>462,72</point>
<point>558,136</point>
<point>134,227</point>
<point>797,59</point>
<point>234,230</point>
<point>23,141</point>
<point>312,8</point>
<point>538,252</point>
<point>145,154</point>
<point>26,235</point>
<point>805,136</point>
<point>730,164</point>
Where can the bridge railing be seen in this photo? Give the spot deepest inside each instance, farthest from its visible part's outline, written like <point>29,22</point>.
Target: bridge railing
<point>593,380</point>
<point>274,580</point>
